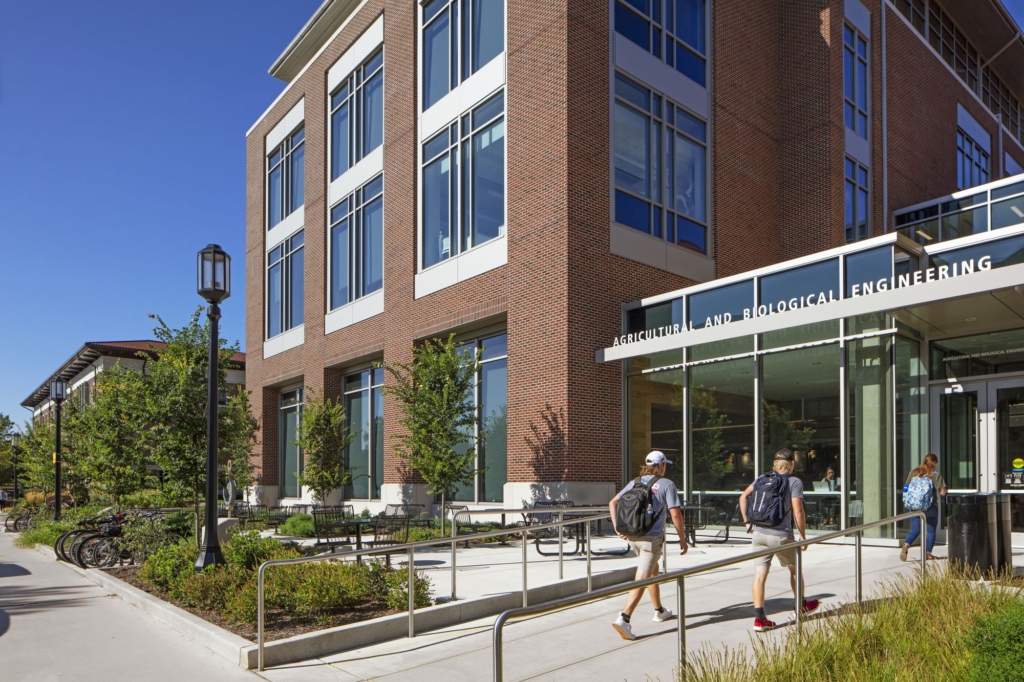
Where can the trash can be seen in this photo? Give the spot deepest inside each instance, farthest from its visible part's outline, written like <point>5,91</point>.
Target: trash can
<point>978,531</point>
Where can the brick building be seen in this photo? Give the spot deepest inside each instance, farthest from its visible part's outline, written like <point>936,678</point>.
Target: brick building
<point>526,175</point>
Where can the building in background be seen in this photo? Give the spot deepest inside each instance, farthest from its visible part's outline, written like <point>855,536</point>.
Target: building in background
<point>532,177</point>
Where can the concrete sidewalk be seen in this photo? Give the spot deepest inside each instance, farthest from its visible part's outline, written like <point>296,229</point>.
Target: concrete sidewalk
<point>56,625</point>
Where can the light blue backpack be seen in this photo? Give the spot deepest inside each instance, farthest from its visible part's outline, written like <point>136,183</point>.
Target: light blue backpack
<point>918,494</point>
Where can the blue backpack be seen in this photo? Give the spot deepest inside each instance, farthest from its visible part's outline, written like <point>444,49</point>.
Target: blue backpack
<point>919,493</point>
<point>770,504</point>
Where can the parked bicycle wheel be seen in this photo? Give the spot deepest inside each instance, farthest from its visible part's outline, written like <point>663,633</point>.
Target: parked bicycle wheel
<point>81,550</point>
<point>105,553</point>
<point>65,542</point>
<point>22,522</point>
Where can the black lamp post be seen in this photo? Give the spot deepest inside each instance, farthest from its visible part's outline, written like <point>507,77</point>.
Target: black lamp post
<point>58,394</point>
<point>214,271</point>
<point>15,449</point>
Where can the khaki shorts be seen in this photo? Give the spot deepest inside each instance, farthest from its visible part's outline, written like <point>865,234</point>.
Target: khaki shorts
<point>787,557</point>
<point>649,552</point>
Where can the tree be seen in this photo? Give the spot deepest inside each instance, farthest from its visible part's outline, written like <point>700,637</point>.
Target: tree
<point>115,425</point>
<point>781,432</point>
<point>6,455</point>
<point>35,463</point>
<point>435,395</point>
<point>706,438</point>
<point>237,437</point>
<point>74,449</point>
<point>323,436</point>
<point>176,404</point>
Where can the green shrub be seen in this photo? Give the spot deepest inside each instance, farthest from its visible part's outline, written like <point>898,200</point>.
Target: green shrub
<point>997,645</point>
<point>391,587</point>
<point>143,535</point>
<point>143,499</point>
<point>300,525</point>
<point>168,567</point>
<point>211,588</point>
<point>248,550</point>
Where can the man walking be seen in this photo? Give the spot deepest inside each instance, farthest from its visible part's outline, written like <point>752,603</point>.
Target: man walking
<point>776,507</point>
<point>653,499</point>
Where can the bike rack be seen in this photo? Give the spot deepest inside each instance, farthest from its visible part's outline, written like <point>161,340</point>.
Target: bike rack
<point>680,575</point>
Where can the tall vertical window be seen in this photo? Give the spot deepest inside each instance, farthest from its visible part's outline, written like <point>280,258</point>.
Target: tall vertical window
<point>971,162</point>
<point>357,244</point>
<point>464,183</point>
<point>490,395</point>
<point>856,201</point>
<point>855,80</point>
<point>357,115</point>
<point>286,177</point>
<point>285,290</point>
<point>660,167</point>
<point>290,464</point>
<point>671,30</point>
<point>364,456</point>
<point>459,37</point>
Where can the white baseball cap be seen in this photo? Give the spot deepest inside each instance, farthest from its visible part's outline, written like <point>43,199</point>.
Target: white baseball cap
<point>657,457</point>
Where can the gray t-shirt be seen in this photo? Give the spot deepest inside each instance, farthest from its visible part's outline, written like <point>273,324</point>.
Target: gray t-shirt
<point>665,497</point>
<point>785,529</point>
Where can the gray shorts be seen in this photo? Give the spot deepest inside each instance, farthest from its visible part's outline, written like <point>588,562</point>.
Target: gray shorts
<point>787,557</point>
<point>649,552</point>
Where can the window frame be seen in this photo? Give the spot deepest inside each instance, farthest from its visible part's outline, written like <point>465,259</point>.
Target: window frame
<point>373,384</point>
<point>664,43</point>
<point>287,148</point>
<point>460,42</point>
<point>300,392</point>
<point>859,102</point>
<point>968,155</point>
<point>356,82</point>
<point>356,204</point>
<point>289,249</point>
<point>860,183</point>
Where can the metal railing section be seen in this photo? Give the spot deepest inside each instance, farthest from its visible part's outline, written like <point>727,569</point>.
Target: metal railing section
<point>410,549</point>
<point>680,575</point>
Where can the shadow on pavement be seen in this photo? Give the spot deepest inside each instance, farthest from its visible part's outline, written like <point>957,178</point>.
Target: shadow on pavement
<point>13,571</point>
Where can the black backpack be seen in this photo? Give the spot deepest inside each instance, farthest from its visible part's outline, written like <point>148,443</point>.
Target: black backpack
<point>634,516</point>
<point>769,505</point>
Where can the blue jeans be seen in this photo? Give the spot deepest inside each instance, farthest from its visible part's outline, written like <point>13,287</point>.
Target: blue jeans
<point>932,519</point>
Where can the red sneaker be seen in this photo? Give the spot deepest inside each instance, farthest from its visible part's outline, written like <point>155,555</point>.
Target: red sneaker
<point>763,625</point>
<point>810,605</point>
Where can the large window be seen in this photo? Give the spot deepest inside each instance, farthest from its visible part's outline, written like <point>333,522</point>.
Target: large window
<point>855,80</point>
<point>459,37</point>
<point>285,291</point>
<point>971,162</point>
<point>856,209</point>
<point>464,183</point>
<point>660,167</point>
<point>490,395</point>
<point>672,30</point>
<point>357,244</point>
<point>286,177</point>
<point>357,115</point>
<point>364,457</point>
<point>291,455</point>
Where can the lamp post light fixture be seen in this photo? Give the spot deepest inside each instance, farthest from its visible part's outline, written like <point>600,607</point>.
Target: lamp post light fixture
<point>15,450</point>
<point>58,394</point>
<point>214,285</point>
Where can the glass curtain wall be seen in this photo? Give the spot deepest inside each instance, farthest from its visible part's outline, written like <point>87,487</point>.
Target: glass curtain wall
<point>364,456</point>
<point>721,414</point>
<point>291,455</point>
<point>490,395</point>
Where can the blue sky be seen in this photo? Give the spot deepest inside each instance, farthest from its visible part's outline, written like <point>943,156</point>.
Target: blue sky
<point>123,127</point>
<point>123,153</point>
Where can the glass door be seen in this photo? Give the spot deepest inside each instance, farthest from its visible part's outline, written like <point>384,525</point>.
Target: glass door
<point>956,437</point>
<point>1007,404</point>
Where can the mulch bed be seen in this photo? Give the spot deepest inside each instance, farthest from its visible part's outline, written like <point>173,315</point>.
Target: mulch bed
<point>278,625</point>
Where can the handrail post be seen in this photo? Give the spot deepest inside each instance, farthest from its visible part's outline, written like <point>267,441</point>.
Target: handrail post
<point>681,624</point>
<point>412,591</point>
<point>924,546</point>
<point>524,568</point>
<point>259,616</point>
<point>799,588</point>
<point>454,543</point>
<point>858,569</point>
<point>496,649</point>
<point>590,586</point>
<point>561,530</point>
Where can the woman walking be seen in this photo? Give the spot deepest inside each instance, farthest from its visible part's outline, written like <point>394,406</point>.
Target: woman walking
<point>928,470</point>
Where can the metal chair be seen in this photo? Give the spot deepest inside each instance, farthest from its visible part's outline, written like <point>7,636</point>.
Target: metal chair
<point>390,530</point>
<point>331,527</point>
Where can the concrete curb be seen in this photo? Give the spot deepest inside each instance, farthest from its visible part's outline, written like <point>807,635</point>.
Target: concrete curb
<point>334,640</point>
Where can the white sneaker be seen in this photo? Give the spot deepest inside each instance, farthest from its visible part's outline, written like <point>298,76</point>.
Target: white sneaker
<point>623,627</point>
<point>663,615</point>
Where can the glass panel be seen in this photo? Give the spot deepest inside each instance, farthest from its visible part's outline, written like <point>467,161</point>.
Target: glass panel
<point>800,288</point>
<point>297,178</point>
<point>999,254</point>
<point>720,306</point>
<point>274,301</point>
<point>690,22</point>
<point>800,411</point>
<point>494,347</point>
<point>357,454</point>
<point>922,233</point>
<point>373,246</point>
<point>488,178</point>
<point>869,403</point>
<point>1010,436</point>
<point>722,349</point>
<point>690,192</point>
<point>488,31</point>
<point>436,145</point>
<point>296,289</point>
<point>965,223</point>
<point>655,316</point>
<point>967,356</point>
<point>800,334</point>
<point>339,264</point>
<point>911,412</point>
<point>290,465</point>
<point>690,125</point>
<point>655,417</point>
<point>632,212</point>
<point>436,215</point>
<point>872,268</point>
<point>690,235</point>
<point>1009,212</point>
<point>435,61</point>
<point>632,93</point>
<point>493,429</point>
<point>377,395</point>
<point>339,141</point>
<point>1006,191</point>
<point>958,413</point>
<point>654,360</point>
<point>274,197</point>
<point>689,64</point>
<point>373,113</point>
<point>489,110</point>
<point>632,151</point>
<point>721,454</point>
<point>631,26</point>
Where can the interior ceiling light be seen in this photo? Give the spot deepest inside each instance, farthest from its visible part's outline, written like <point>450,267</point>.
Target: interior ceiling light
<point>928,236</point>
<point>1017,211</point>
<point>971,319</point>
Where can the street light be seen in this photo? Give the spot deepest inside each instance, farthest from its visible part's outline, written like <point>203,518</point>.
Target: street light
<point>15,449</point>
<point>214,285</point>
<point>58,394</point>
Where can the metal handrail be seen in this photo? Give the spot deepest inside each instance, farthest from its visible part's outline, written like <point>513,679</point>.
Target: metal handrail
<point>411,547</point>
<point>680,575</point>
